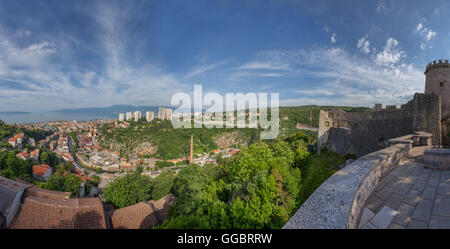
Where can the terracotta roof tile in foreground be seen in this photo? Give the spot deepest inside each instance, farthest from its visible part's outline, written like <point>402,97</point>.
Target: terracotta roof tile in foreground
<point>44,193</point>
<point>44,213</point>
<point>162,206</point>
<point>138,216</point>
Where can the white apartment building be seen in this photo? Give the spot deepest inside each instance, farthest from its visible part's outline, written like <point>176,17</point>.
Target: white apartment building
<point>137,115</point>
<point>149,116</point>
<point>165,113</point>
<point>121,117</point>
<point>129,116</point>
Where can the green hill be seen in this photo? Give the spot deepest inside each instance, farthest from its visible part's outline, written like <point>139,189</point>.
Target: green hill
<point>174,143</point>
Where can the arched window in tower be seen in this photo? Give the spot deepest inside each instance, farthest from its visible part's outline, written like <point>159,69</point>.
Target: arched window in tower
<point>442,84</point>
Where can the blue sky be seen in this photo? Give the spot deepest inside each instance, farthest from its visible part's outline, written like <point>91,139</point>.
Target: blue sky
<point>67,54</point>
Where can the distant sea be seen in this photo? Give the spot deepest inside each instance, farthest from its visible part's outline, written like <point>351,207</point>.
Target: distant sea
<point>21,118</point>
<point>81,114</point>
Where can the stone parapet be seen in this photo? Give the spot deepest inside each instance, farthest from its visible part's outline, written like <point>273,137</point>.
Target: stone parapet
<point>338,202</point>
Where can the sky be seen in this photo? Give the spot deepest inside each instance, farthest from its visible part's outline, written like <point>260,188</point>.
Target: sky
<point>74,54</point>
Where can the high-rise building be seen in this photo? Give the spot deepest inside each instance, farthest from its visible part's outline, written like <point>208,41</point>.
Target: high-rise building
<point>137,115</point>
<point>129,116</point>
<point>149,116</point>
<point>121,117</point>
<point>165,113</point>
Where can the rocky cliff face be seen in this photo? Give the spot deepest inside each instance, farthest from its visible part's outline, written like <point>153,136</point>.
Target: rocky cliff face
<point>145,148</point>
<point>231,139</point>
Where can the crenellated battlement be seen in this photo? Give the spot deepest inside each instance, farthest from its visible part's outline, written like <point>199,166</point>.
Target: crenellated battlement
<point>437,64</point>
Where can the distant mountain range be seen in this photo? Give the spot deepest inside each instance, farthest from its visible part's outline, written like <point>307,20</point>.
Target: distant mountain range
<point>110,112</point>
<point>13,113</point>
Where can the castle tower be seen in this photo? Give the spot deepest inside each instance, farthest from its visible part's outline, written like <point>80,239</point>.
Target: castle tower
<point>438,82</point>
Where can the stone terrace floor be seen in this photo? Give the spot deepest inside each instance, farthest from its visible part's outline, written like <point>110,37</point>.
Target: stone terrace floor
<point>410,197</point>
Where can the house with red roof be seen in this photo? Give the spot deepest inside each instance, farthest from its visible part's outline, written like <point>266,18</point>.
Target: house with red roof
<point>42,172</point>
<point>43,142</point>
<point>234,151</point>
<point>34,155</point>
<point>22,155</point>
<point>175,160</point>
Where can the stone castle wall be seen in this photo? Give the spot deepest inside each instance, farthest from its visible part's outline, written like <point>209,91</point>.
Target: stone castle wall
<point>438,82</point>
<point>361,133</point>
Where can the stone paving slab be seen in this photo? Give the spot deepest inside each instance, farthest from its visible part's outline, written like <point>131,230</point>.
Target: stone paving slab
<point>423,211</point>
<point>429,193</point>
<point>415,224</point>
<point>433,181</point>
<point>365,217</point>
<point>373,203</point>
<point>413,197</point>
<point>442,206</point>
<point>396,226</point>
<point>383,219</point>
<point>444,188</point>
<point>393,201</point>
<point>438,222</point>
<point>410,197</point>
<point>369,226</point>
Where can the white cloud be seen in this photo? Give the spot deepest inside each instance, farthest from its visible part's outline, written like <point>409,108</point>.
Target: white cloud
<point>426,34</point>
<point>419,27</point>
<point>436,11</point>
<point>381,6</point>
<point>203,68</point>
<point>390,55</point>
<point>43,83</point>
<point>364,45</point>
<point>264,65</point>
<point>333,38</point>
<point>343,79</point>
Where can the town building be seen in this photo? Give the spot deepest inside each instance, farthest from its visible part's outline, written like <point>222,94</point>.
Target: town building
<point>149,116</point>
<point>121,117</point>
<point>129,116</point>
<point>34,155</point>
<point>17,140</point>
<point>137,115</point>
<point>165,113</point>
<point>22,155</point>
<point>42,172</point>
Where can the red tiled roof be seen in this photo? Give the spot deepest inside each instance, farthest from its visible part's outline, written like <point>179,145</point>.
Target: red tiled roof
<point>44,213</point>
<point>40,169</point>
<point>162,206</point>
<point>44,193</point>
<point>24,154</point>
<point>137,216</point>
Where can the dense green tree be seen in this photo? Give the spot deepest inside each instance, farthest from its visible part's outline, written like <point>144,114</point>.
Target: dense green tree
<point>65,183</point>
<point>72,184</point>
<point>128,190</point>
<point>258,189</point>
